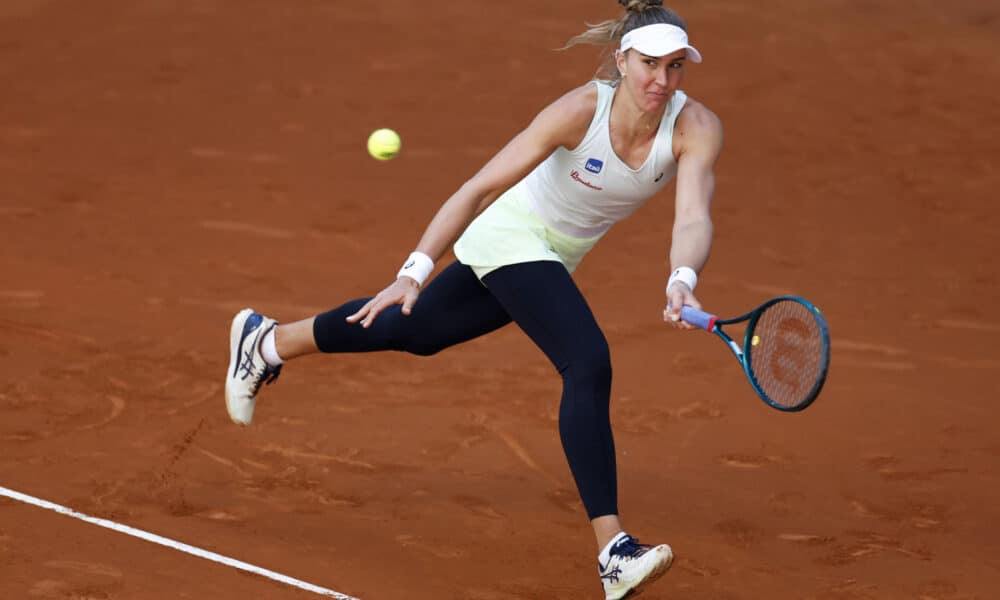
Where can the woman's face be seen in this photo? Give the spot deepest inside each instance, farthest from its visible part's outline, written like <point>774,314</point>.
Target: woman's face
<point>651,80</point>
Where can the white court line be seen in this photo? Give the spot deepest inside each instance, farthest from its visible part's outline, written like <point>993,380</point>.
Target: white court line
<point>152,537</point>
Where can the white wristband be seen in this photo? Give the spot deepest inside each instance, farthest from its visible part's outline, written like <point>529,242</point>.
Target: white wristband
<point>685,275</point>
<point>417,267</point>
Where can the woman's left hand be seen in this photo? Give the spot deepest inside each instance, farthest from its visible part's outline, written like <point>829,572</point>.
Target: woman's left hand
<point>402,291</point>
<point>678,295</point>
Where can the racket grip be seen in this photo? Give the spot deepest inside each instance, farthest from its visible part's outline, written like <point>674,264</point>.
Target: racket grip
<point>698,318</point>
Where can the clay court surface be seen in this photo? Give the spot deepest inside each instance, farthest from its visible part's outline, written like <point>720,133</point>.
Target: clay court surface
<point>163,164</point>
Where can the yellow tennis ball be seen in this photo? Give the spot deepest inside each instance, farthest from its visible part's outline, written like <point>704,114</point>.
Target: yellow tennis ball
<point>384,144</point>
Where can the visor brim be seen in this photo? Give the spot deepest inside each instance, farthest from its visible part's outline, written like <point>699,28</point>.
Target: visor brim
<point>663,49</point>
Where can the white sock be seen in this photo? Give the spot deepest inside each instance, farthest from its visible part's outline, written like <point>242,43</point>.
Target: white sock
<point>269,351</point>
<point>605,554</point>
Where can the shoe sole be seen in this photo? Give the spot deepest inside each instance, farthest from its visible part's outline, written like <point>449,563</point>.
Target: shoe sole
<point>235,341</point>
<point>653,576</point>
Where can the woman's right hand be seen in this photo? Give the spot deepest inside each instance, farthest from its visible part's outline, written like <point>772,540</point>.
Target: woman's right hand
<point>678,296</point>
<point>402,291</point>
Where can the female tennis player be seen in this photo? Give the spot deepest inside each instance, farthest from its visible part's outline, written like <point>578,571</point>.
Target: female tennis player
<point>520,226</point>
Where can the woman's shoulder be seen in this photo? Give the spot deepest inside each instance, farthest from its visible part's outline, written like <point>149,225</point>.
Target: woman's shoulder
<point>698,131</point>
<point>569,117</point>
<point>696,117</point>
<point>581,101</point>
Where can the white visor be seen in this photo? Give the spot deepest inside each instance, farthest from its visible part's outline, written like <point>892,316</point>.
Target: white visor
<point>659,39</point>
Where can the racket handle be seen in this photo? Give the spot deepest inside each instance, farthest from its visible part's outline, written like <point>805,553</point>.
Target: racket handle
<point>698,318</point>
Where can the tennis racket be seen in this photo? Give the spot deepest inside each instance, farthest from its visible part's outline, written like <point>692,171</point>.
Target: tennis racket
<point>785,352</point>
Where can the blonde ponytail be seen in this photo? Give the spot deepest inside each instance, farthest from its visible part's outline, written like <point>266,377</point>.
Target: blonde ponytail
<point>608,34</point>
<point>639,5</point>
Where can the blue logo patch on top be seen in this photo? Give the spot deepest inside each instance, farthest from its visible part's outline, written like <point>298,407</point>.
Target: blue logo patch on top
<point>593,165</point>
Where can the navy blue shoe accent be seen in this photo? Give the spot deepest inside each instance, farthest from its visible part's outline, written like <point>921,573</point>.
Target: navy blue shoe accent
<point>627,547</point>
<point>612,575</point>
<point>270,374</point>
<point>252,322</point>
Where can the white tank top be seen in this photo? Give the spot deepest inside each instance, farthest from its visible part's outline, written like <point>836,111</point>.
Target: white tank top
<point>584,191</point>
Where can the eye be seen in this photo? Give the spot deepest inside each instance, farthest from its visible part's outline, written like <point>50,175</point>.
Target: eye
<point>651,62</point>
<point>676,65</point>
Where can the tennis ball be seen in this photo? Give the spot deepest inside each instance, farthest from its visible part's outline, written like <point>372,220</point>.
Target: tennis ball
<point>384,144</point>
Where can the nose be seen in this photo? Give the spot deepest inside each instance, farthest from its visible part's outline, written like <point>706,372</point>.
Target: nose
<point>661,77</point>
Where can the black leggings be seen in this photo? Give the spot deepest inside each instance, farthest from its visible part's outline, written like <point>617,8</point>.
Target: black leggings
<point>543,300</point>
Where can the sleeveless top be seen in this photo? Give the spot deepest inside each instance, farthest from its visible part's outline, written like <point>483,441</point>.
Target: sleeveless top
<point>584,191</point>
<point>563,207</point>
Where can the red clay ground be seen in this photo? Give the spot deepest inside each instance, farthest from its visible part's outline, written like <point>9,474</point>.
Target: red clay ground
<point>164,164</point>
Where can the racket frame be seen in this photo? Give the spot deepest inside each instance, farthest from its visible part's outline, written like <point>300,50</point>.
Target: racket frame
<point>744,354</point>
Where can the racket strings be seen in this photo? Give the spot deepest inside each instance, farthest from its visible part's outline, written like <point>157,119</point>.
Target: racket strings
<point>787,353</point>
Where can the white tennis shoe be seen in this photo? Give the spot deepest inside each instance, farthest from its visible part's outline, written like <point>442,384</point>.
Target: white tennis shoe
<point>247,368</point>
<point>632,566</point>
